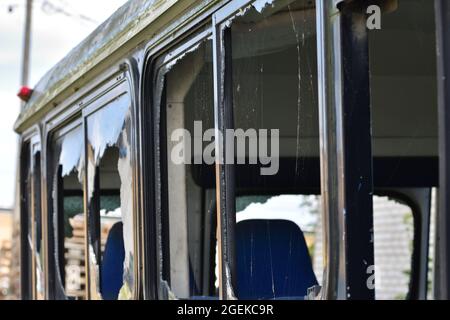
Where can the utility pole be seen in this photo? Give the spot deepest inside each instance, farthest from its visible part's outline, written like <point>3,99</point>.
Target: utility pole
<point>27,43</point>
<point>17,287</point>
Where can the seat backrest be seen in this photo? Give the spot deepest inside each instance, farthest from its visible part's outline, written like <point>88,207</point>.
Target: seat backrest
<point>112,263</point>
<point>272,260</point>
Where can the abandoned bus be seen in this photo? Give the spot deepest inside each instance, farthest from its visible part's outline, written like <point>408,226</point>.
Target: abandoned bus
<point>214,149</point>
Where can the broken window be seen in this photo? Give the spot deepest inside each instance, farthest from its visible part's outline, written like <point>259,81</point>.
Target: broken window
<point>26,224</point>
<point>188,216</point>
<point>67,219</point>
<point>33,257</point>
<point>38,241</point>
<point>110,201</point>
<point>275,107</point>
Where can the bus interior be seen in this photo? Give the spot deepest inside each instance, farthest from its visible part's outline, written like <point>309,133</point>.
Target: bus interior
<point>279,231</point>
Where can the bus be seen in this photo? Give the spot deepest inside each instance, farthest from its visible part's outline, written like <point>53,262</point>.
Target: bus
<point>237,149</point>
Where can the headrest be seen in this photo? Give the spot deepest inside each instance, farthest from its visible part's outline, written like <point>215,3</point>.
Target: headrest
<point>272,260</point>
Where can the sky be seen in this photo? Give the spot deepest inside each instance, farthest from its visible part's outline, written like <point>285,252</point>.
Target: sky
<point>283,207</point>
<point>58,26</point>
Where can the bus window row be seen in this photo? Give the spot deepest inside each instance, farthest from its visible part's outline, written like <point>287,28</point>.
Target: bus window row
<point>266,234</point>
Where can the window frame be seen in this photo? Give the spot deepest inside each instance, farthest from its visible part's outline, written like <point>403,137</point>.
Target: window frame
<point>442,250</point>
<point>155,175</point>
<point>348,235</point>
<point>194,21</point>
<point>122,85</point>
<point>36,149</point>
<point>30,146</point>
<point>75,114</point>
<point>55,289</point>
<point>337,284</point>
<point>224,120</point>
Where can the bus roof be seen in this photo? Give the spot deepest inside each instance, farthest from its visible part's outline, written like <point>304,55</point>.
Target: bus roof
<point>111,36</point>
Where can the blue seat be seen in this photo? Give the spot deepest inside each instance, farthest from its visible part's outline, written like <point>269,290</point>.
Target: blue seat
<point>272,260</point>
<point>111,273</point>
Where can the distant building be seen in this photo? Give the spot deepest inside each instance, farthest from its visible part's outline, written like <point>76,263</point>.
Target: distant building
<point>6,223</point>
<point>393,233</point>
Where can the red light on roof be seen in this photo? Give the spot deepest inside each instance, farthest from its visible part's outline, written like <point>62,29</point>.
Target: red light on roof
<point>25,93</point>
